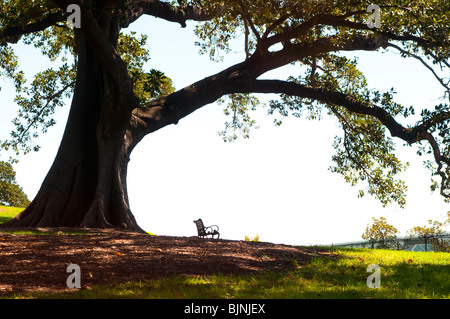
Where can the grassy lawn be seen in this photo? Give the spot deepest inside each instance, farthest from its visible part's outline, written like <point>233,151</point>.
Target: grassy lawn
<point>6,213</point>
<point>414,275</point>
<point>404,275</point>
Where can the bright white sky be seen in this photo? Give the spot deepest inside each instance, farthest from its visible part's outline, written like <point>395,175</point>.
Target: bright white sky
<point>276,184</point>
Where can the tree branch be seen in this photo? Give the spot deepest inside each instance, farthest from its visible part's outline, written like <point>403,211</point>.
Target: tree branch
<point>239,79</point>
<point>339,21</point>
<point>439,159</point>
<point>48,99</point>
<point>263,61</point>
<point>409,135</point>
<point>272,27</point>
<point>166,11</point>
<point>441,81</point>
<point>13,34</point>
<point>302,28</point>
<point>248,20</point>
<point>170,109</point>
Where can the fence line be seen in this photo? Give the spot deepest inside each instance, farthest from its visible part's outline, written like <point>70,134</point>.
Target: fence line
<point>417,243</point>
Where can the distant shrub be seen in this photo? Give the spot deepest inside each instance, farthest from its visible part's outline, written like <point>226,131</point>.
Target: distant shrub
<point>256,238</point>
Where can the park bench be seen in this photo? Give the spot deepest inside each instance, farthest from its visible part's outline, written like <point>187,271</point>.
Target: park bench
<point>206,231</point>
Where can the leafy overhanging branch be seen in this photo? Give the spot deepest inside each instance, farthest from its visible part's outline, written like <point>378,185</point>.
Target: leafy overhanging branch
<point>172,108</point>
<point>410,135</point>
<point>37,107</point>
<point>37,19</point>
<point>438,78</point>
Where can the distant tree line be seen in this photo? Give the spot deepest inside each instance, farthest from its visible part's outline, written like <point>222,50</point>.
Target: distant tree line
<point>385,235</point>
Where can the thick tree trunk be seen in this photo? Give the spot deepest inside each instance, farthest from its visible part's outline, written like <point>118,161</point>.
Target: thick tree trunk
<point>86,185</point>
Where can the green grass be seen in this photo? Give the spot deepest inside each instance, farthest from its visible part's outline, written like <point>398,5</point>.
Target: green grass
<point>39,232</point>
<point>404,275</point>
<point>6,213</point>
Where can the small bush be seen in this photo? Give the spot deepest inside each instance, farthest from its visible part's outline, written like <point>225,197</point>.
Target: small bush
<point>256,238</point>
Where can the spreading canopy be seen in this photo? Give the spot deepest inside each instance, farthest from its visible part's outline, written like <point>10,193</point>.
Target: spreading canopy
<point>310,34</point>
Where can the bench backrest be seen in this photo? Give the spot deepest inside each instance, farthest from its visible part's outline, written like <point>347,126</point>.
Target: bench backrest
<point>200,227</point>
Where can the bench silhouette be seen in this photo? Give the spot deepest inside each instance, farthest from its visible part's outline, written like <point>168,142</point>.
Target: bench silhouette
<point>203,231</point>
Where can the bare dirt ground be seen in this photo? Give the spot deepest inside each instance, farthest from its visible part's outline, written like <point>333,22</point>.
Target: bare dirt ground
<point>38,263</point>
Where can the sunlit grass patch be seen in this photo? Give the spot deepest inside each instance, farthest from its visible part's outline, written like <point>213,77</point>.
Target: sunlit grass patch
<point>7,213</point>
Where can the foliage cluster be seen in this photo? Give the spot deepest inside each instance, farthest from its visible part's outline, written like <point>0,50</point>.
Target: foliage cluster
<point>381,231</point>
<point>11,194</point>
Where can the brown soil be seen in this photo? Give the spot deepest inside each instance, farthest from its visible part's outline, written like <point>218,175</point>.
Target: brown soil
<point>38,263</point>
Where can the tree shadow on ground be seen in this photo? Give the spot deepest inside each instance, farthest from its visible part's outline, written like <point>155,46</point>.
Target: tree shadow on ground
<point>31,263</point>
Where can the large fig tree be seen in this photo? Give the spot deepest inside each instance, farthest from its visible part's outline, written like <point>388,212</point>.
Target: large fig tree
<point>116,103</point>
